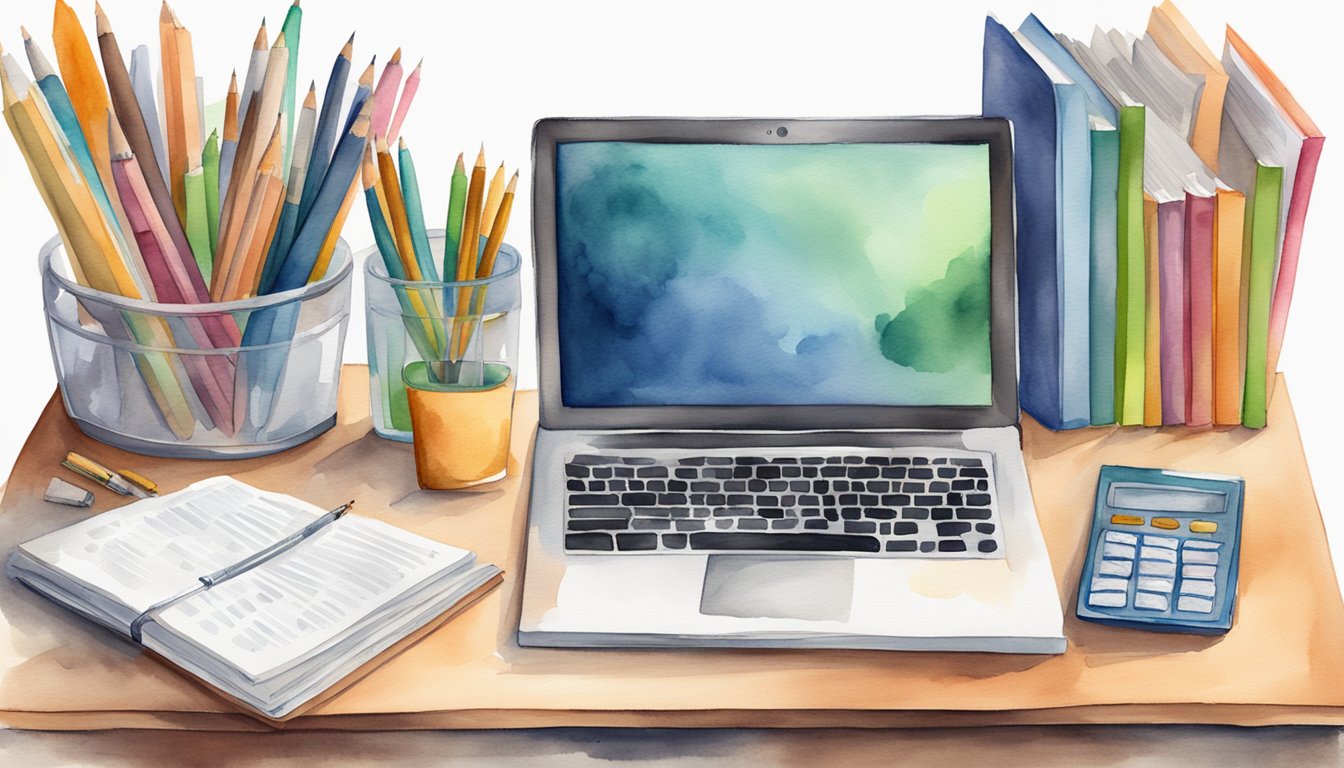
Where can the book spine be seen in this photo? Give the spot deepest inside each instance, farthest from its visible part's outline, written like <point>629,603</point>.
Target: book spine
<point>1307,161</point>
<point>1131,266</point>
<point>1073,253</point>
<point>1152,327</point>
<point>1103,275</point>
<point>1263,225</point>
<point>1172,308</point>
<point>1228,371</point>
<point>1199,238</point>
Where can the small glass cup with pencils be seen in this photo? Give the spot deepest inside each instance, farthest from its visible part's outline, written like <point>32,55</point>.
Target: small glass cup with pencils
<point>198,293</point>
<point>442,318</point>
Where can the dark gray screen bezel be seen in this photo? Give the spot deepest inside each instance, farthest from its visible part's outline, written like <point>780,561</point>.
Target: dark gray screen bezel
<point>1003,409</point>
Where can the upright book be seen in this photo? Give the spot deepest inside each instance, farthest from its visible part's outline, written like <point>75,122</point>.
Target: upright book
<point>1052,170</point>
<point>268,600</point>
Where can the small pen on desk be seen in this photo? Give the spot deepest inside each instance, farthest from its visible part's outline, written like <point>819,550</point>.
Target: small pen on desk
<point>86,467</point>
<point>224,574</point>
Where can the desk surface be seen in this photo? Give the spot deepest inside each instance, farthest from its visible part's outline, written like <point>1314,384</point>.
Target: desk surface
<point>1278,665</point>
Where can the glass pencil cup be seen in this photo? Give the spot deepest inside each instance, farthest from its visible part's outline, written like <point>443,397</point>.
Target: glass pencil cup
<point>232,379</point>
<point>444,344</point>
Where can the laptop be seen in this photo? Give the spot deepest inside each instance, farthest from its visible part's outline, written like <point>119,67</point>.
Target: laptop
<point>778,396</point>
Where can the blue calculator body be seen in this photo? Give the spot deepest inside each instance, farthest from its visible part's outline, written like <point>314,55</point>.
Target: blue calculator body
<point>1163,551</point>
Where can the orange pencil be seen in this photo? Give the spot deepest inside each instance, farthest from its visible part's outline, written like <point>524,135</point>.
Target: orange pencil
<point>267,189</point>
<point>396,205</point>
<point>469,246</point>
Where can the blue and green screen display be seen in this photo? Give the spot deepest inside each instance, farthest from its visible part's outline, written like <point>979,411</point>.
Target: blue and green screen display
<point>809,274</point>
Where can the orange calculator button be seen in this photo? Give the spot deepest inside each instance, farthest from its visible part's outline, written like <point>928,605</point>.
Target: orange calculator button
<point>1203,526</point>
<point>1165,523</point>
<point>1126,520</point>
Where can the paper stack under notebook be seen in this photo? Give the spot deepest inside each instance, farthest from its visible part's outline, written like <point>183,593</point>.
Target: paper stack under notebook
<point>265,598</point>
<point>1162,193</point>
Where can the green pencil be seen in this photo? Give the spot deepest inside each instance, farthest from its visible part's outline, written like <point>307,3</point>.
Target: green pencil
<point>210,161</point>
<point>457,203</point>
<point>290,29</point>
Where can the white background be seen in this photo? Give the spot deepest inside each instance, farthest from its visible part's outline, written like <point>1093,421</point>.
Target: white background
<point>492,69</point>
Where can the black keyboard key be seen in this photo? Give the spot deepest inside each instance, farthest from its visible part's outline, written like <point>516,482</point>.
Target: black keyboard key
<point>678,486</point>
<point>778,486</point>
<point>589,542</point>
<point>794,542</point>
<point>977,499</point>
<point>650,524</point>
<point>576,485</point>
<point>832,471</point>
<point>963,485</point>
<point>742,473</point>
<point>928,501</point>
<point>832,515</point>
<point>716,499</point>
<point>868,499</point>
<point>771,513</point>
<point>974,472</point>
<point>880,461</point>
<point>860,473</point>
<point>921,473</point>
<point>639,499</point>
<point>968,461</point>
<point>815,525</point>
<point>878,486</point>
<point>906,545</point>
<point>789,471</point>
<point>912,487</point>
<point>862,526</point>
<point>653,512</point>
<point>576,470</point>
<point>674,540</point>
<point>598,513</point>
<point>919,461</point>
<point>735,486</point>
<point>616,485</point>
<point>750,460</point>
<point>847,499</point>
<point>679,511</point>
<point>985,528</point>
<point>904,528</point>
<point>987,546</point>
<point>689,525</point>
<point>693,461</point>
<point>594,499</point>
<point>942,513</point>
<point>953,529</point>
<point>734,512</point>
<point>947,472</point>
<point>939,486</point>
<point>602,473</point>
<point>598,525</point>
<point>757,486</point>
<point>741,499</point>
<point>656,486</point>
<point>636,542</point>
<point>626,472</point>
<point>896,500</point>
<point>597,486</point>
<point>853,459</point>
<point>590,460</point>
<point>788,500</point>
<point>880,513</point>
<point>851,513</point>
<point>769,472</point>
<point>915,513</point>
<point>638,460</point>
<point>719,460</point>
<point>902,460</point>
<point>893,473</point>
<point>753,524</point>
<point>812,460</point>
<point>800,486</point>
<point>926,546</point>
<point>686,473</point>
<point>671,499</point>
<point>787,524</point>
<point>715,473</point>
<point>704,487</point>
<point>973,514</point>
<point>946,545</point>
<point>811,512</point>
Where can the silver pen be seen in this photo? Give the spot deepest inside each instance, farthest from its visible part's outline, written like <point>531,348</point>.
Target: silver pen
<point>224,574</point>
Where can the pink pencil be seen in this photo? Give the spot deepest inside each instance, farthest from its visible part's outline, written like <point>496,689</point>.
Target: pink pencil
<point>384,96</point>
<point>211,375</point>
<point>403,106</point>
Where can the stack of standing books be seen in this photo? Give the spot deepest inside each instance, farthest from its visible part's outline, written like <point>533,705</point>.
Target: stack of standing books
<point>1161,195</point>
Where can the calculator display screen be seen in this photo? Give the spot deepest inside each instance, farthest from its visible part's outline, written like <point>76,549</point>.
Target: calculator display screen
<point>1153,498</point>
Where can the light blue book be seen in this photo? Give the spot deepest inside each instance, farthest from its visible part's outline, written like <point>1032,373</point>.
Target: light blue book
<point>1105,140</point>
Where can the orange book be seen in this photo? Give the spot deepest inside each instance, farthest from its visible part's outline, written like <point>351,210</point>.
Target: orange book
<point>1228,346</point>
<point>1178,40</point>
<point>1152,337</point>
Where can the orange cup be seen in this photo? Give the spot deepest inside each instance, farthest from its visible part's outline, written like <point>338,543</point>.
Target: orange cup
<point>461,433</point>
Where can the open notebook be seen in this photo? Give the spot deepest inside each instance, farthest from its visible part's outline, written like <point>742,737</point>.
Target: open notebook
<point>274,636</point>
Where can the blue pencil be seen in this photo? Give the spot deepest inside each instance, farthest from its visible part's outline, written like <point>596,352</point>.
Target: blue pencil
<point>415,215</point>
<point>324,137</point>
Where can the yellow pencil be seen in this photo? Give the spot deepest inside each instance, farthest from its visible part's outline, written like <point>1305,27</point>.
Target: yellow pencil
<point>492,200</point>
<point>329,245</point>
<point>498,225</point>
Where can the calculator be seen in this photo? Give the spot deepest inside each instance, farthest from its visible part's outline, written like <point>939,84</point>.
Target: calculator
<point>1162,553</point>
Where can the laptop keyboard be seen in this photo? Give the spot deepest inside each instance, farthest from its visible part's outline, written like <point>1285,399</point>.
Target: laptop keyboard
<point>894,503</point>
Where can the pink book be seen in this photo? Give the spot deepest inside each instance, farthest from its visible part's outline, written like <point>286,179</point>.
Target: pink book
<point>1199,217</point>
<point>1171,308</point>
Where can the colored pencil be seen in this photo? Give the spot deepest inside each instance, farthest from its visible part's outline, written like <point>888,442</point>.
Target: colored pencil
<point>132,124</point>
<point>385,95</point>
<point>415,215</point>
<point>289,211</point>
<point>324,136</point>
<point>235,278</point>
<point>256,70</point>
<point>182,132</point>
<point>492,201</point>
<point>210,165</point>
<point>142,81</point>
<point>228,149</point>
<point>408,92</point>
<point>328,248</point>
<point>396,205</point>
<point>469,246</point>
<point>457,203</point>
<point>498,224</point>
<point>290,29</point>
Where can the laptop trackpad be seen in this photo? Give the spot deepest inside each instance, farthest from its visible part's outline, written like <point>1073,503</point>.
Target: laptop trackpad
<point>751,587</point>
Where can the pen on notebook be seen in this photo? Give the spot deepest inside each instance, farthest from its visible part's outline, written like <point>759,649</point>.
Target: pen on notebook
<point>86,467</point>
<point>224,574</point>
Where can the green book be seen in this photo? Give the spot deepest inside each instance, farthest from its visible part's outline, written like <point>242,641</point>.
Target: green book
<point>1259,249</point>
<point>1102,277</point>
<point>1130,270</point>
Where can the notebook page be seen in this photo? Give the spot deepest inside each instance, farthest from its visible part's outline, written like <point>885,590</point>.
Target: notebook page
<point>266,619</point>
<point>153,549</point>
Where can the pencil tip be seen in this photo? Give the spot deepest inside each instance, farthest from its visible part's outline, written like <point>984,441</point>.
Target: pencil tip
<point>460,167</point>
<point>401,143</point>
<point>279,40</point>
<point>396,57</point>
<point>480,157</point>
<point>27,38</point>
<point>419,64</point>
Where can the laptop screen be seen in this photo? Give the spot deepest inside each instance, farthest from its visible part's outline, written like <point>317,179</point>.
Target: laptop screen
<point>723,274</point>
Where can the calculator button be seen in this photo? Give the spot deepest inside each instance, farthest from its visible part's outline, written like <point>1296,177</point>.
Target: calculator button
<point>1126,520</point>
<point>1109,585</point>
<point>1199,557</point>
<point>1161,541</point>
<point>1203,526</point>
<point>1107,599</point>
<point>1149,584</point>
<point>1199,587</point>
<point>1151,602</point>
<point>1201,544</point>
<point>1156,568</point>
<point>1122,568</point>
<point>1117,552</point>
<point>1198,571</point>
<point>1166,523</point>
<point>1117,537</point>
<point>1157,553</point>
<point>1194,604</point>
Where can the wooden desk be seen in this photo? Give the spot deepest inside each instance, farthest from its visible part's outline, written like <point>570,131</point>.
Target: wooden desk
<point>1277,666</point>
